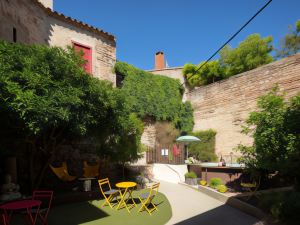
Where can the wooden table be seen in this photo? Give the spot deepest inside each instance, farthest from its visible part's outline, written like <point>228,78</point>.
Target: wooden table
<point>9,207</point>
<point>126,187</point>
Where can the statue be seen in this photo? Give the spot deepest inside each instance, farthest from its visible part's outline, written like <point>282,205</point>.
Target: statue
<point>9,190</point>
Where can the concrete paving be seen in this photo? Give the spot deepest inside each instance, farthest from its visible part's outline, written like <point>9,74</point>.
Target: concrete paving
<point>193,207</point>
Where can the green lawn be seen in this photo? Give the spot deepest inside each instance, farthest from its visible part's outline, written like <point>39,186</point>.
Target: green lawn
<point>90,213</point>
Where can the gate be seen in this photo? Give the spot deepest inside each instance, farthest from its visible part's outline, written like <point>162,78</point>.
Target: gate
<point>166,155</point>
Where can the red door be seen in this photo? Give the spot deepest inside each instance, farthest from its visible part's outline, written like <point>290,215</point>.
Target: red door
<point>87,51</point>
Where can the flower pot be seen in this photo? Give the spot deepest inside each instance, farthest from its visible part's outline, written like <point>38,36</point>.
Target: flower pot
<point>191,181</point>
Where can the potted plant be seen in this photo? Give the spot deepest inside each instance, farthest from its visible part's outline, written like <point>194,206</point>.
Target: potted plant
<point>191,178</point>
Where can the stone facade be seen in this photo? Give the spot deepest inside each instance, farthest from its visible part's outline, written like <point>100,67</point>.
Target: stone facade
<point>224,105</point>
<point>32,23</point>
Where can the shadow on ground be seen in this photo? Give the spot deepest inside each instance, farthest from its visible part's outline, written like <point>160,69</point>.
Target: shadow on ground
<point>224,215</point>
<point>75,214</point>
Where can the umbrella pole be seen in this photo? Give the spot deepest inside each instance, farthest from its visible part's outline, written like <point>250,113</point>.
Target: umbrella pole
<point>187,152</point>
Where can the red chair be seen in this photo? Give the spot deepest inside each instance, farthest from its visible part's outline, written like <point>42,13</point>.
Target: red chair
<point>3,219</point>
<point>46,198</point>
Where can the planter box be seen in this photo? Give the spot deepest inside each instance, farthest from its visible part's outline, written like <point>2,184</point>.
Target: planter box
<point>191,181</point>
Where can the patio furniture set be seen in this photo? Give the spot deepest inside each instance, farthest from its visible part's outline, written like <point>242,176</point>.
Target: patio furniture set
<point>124,192</point>
<point>35,208</point>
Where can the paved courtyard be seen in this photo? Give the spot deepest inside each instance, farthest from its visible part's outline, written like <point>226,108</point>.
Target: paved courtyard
<point>192,207</point>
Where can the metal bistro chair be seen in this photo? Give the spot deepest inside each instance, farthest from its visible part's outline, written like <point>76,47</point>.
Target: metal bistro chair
<point>3,219</point>
<point>147,198</point>
<point>251,187</point>
<point>46,198</point>
<point>108,193</point>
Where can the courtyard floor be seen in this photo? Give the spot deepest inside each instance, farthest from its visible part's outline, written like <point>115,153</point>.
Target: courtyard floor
<point>190,206</point>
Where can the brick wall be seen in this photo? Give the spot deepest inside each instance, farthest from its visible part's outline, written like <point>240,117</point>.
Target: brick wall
<point>224,105</point>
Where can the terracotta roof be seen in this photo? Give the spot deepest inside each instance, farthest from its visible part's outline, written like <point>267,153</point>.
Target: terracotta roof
<point>76,22</point>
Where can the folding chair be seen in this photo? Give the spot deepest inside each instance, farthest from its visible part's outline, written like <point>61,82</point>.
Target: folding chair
<point>108,193</point>
<point>46,198</point>
<point>3,219</point>
<point>251,187</point>
<point>147,198</point>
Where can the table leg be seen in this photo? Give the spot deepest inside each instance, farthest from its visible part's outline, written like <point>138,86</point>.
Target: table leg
<point>130,197</point>
<point>29,212</point>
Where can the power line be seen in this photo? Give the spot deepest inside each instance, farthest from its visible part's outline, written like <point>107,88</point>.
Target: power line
<point>236,33</point>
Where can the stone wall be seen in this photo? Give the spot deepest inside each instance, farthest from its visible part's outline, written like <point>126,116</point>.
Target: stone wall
<point>37,25</point>
<point>224,105</point>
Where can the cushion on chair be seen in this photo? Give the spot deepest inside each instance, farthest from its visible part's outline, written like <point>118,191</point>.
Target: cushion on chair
<point>112,191</point>
<point>145,195</point>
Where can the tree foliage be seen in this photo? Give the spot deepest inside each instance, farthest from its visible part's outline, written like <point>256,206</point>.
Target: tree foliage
<point>290,44</point>
<point>155,96</point>
<point>47,99</point>
<point>275,128</point>
<point>205,149</point>
<point>251,53</point>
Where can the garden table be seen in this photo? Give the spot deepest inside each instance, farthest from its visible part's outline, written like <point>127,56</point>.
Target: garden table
<point>126,187</point>
<point>9,207</point>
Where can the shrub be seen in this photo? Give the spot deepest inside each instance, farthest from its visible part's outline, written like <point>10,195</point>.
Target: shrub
<point>204,150</point>
<point>222,188</point>
<point>283,206</point>
<point>214,182</point>
<point>203,182</point>
<point>190,175</point>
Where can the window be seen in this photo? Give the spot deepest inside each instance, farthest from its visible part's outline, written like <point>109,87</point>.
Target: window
<point>87,55</point>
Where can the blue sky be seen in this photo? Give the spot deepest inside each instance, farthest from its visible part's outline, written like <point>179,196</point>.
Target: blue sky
<point>185,30</point>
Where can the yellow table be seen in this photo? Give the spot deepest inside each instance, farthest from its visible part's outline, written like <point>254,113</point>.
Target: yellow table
<point>126,187</point>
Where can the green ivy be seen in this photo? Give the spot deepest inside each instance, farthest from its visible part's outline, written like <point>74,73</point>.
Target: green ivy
<point>205,149</point>
<point>155,96</point>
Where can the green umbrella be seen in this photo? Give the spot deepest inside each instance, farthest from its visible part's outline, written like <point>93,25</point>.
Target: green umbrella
<point>187,139</point>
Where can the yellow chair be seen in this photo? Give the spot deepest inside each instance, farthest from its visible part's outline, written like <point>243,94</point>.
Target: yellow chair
<point>251,188</point>
<point>147,198</point>
<point>108,193</point>
<point>90,170</point>
<point>62,172</point>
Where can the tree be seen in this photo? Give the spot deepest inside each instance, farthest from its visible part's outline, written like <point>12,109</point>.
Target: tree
<point>251,53</point>
<point>47,99</point>
<point>290,44</point>
<point>209,73</point>
<point>275,129</point>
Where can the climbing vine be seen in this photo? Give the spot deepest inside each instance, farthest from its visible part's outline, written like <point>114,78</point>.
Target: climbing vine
<point>155,96</point>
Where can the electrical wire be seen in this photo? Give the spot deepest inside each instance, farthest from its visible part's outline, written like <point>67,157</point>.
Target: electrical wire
<point>236,33</point>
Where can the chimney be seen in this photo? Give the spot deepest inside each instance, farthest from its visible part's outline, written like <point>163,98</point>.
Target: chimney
<point>47,3</point>
<point>159,61</point>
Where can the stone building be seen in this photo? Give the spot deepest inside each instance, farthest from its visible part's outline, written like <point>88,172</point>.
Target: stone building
<point>35,22</point>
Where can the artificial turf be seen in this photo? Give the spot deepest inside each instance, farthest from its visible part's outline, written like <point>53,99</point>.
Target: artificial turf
<point>90,212</point>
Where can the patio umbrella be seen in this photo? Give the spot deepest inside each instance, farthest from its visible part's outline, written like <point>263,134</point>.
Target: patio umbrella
<point>187,139</point>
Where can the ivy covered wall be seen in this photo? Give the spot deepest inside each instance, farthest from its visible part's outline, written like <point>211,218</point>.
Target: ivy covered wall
<point>155,96</point>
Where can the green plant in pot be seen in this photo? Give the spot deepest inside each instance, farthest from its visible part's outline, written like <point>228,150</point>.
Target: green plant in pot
<point>191,178</point>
